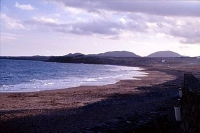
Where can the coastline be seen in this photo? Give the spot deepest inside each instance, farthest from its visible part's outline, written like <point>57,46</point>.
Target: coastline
<point>74,109</point>
<point>106,74</point>
<point>107,89</point>
<point>91,104</point>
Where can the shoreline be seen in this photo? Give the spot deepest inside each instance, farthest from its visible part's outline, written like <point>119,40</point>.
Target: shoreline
<point>92,105</point>
<point>105,88</point>
<point>74,109</point>
<point>77,88</point>
<point>86,85</point>
<point>133,74</point>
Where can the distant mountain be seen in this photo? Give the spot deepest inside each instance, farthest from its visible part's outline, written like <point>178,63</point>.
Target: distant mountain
<point>164,54</point>
<point>36,57</point>
<point>117,54</point>
<point>75,54</point>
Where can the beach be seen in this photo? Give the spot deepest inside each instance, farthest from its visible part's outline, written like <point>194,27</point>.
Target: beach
<point>73,109</point>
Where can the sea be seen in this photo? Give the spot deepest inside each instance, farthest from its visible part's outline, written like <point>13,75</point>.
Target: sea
<point>32,76</point>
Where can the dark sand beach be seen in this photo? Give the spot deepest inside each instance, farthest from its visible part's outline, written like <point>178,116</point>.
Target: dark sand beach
<point>73,109</point>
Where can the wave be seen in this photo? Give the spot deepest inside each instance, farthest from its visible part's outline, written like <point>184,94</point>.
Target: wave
<point>59,76</point>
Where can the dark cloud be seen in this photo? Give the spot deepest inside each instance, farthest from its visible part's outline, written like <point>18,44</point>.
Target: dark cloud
<point>164,8</point>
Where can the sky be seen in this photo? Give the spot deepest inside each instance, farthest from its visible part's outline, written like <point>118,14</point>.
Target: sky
<point>60,27</point>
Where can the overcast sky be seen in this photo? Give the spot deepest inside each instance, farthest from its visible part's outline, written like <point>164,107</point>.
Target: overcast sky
<point>59,27</point>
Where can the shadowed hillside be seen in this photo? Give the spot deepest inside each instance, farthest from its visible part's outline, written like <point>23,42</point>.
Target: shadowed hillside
<point>164,54</point>
<point>118,54</point>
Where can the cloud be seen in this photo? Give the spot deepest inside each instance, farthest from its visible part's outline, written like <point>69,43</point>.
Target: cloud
<point>126,18</point>
<point>79,28</point>
<point>97,27</point>
<point>43,23</point>
<point>24,7</point>
<point>185,28</point>
<point>8,37</point>
<point>12,23</point>
<point>163,8</point>
<point>110,28</point>
<point>189,31</point>
<point>45,20</point>
<point>191,41</point>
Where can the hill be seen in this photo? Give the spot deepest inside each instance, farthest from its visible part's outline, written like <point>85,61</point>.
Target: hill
<point>36,58</point>
<point>117,54</point>
<point>74,54</point>
<point>164,54</point>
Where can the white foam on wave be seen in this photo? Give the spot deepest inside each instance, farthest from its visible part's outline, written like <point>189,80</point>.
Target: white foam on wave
<point>123,73</point>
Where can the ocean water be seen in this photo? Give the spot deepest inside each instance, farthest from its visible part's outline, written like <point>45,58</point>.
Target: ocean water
<point>31,76</point>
